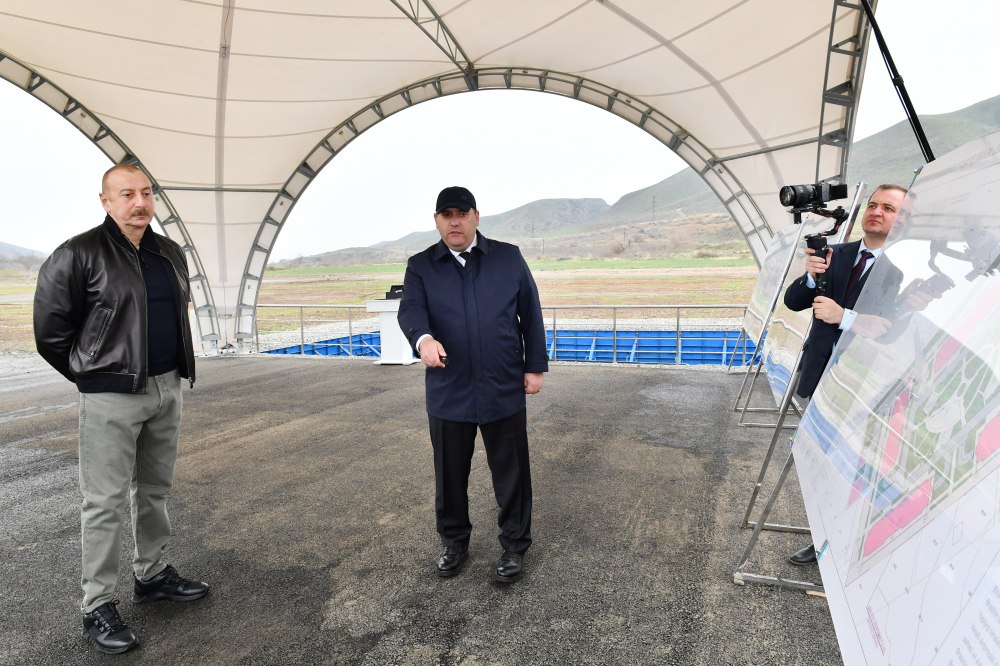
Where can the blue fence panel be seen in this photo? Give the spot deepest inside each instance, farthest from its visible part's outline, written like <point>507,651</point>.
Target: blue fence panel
<point>361,344</point>
<point>599,346</point>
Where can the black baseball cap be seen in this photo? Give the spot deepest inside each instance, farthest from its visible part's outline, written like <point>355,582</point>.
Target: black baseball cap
<point>455,197</point>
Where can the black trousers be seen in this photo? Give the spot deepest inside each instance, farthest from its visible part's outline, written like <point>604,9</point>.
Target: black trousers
<point>506,444</point>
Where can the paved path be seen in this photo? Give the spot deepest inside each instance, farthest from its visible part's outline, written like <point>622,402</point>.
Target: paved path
<point>304,495</point>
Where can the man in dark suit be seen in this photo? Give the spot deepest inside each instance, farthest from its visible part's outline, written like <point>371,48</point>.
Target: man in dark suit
<point>471,311</point>
<point>831,286</point>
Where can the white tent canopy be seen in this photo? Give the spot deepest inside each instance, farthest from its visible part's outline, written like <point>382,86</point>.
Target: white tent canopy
<point>233,106</point>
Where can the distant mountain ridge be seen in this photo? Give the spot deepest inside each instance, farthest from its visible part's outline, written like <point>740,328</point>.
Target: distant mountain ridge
<point>891,155</point>
<point>679,216</point>
<point>7,250</point>
<point>20,258</point>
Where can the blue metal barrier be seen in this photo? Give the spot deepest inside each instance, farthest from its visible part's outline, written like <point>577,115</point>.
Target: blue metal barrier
<point>690,347</point>
<point>714,347</point>
<point>362,344</point>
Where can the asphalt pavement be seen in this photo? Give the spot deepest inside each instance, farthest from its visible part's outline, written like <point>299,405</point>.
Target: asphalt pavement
<point>304,496</point>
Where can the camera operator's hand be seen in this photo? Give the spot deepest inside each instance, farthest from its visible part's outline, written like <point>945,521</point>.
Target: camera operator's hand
<point>826,309</point>
<point>816,265</point>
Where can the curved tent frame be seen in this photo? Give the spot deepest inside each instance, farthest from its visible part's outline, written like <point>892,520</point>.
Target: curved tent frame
<point>713,170</point>
<point>226,209</point>
<point>111,145</point>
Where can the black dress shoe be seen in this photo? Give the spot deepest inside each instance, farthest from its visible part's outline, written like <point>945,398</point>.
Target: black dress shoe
<point>104,628</point>
<point>803,557</point>
<point>451,560</point>
<point>510,567</point>
<point>169,585</point>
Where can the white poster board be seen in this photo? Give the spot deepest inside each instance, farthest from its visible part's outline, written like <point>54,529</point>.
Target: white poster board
<point>771,279</point>
<point>898,453</point>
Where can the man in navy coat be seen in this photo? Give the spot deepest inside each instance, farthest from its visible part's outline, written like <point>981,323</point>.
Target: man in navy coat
<point>832,309</point>
<point>471,311</point>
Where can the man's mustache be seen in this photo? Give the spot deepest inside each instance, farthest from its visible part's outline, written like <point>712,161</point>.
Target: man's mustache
<point>139,212</point>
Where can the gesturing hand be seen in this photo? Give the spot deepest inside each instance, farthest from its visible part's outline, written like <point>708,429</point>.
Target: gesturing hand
<point>431,353</point>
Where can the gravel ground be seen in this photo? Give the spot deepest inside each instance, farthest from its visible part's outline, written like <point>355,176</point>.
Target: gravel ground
<point>304,496</point>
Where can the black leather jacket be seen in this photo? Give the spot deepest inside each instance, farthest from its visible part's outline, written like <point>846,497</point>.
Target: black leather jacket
<point>90,310</point>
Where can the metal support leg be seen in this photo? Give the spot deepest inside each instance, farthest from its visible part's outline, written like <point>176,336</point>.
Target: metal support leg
<point>786,401</point>
<point>732,357</point>
<point>739,576</point>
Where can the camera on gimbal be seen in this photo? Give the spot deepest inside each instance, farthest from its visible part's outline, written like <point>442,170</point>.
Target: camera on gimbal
<point>809,196</point>
<point>817,243</point>
<point>813,199</point>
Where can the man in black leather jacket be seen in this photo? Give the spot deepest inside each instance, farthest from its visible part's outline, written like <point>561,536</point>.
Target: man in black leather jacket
<point>110,315</point>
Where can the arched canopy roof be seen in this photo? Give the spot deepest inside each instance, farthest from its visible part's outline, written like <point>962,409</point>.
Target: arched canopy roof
<point>233,106</point>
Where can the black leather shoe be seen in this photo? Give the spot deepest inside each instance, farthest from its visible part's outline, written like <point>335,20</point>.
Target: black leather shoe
<point>104,628</point>
<point>169,585</point>
<point>451,560</point>
<point>803,557</point>
<point>510,567</point>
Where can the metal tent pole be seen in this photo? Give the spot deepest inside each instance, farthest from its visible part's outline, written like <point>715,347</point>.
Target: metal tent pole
<point>897,82</point>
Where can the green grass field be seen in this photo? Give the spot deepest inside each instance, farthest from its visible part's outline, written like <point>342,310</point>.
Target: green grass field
<point>607,282</point>
<point>536,265</point>
<point>16,289</point>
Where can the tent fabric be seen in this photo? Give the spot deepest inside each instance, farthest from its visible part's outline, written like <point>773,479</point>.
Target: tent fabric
<point>752,94</point>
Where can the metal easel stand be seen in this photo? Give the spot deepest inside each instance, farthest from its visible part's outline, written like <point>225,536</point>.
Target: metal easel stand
<point>741,577</point>
<point>753,373</point>
<point>742,404</point>
<point>786,401</point>
<point>755,368</point>
<point>744,338</point>
<point>745,408</point>
<point>769,410</point>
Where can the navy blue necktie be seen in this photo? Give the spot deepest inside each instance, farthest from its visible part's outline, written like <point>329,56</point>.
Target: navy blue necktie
<point>859,270</point>
<point>466,256</point>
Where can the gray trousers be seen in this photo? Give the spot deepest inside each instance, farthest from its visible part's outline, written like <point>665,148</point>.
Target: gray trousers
<point>128,443</point>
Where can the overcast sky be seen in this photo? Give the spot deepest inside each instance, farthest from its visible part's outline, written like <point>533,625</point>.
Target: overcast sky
<point>508,147</point>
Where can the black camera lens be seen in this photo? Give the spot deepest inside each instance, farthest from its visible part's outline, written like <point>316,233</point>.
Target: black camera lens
<point>800,196</point>
<point>796,196</point>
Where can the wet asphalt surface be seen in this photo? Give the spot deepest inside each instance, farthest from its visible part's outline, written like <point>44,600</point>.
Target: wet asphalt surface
<point>304,496</point>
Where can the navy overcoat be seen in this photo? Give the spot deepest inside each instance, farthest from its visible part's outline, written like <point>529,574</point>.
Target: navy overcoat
<point>488,318</point>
